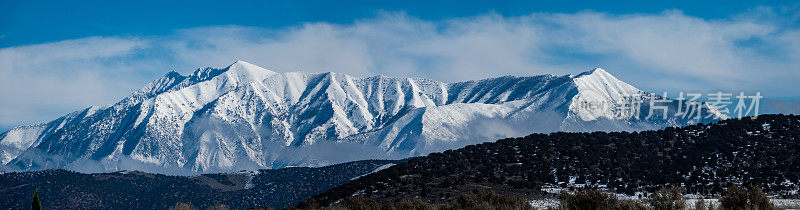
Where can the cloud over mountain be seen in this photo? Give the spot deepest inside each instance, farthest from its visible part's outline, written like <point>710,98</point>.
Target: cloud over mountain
<point>755,51</point>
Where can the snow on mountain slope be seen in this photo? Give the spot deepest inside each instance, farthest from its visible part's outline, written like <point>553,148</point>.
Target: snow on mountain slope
<point>245,117</point>
<point>16,140</point>
<point>601,89</point>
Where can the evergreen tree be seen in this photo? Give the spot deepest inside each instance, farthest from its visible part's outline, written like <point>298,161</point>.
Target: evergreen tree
<point>35,204</point>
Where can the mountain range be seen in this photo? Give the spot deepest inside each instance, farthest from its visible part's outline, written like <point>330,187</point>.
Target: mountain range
<point>244,117</point>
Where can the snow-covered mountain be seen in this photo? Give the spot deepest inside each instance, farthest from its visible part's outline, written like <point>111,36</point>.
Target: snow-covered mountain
<point>245,117</point>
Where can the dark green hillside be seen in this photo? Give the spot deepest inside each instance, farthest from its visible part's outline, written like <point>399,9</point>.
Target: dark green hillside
<point>704,159</point>
<point>61,189</point>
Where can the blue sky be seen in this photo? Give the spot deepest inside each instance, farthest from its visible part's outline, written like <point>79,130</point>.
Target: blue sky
<point>60,56</point>
<point>33,22</point>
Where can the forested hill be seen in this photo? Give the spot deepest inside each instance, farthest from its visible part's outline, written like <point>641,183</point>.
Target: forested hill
<point>61,189</point>
<point>703,158</point>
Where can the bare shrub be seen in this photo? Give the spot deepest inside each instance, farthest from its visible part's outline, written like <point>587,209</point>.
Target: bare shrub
<point>628,205</point>
<point>667,199</point>
<point>591,199</point>
<point>700,205</point>
<point>750,198</point>
<point>489,199</point>
<point>183,206</point>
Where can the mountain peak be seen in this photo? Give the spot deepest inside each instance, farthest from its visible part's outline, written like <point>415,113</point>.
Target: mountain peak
<point>241,62</point>
<point>172,74</point>
<point>245,65</point>
<point>595,71</point>
<point>244,69</point>
<point>162,84</point>
<point>599,70</point>
<point>598,86</point>
<point>601,76</point>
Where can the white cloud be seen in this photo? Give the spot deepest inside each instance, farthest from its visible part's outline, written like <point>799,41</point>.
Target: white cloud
<point>312,47</point>
<point>656,52</point>
<point>708,54</point>
<point>41,82</point>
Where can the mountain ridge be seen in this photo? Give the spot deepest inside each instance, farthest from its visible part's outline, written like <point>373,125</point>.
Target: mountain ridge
<point>247,117</point>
